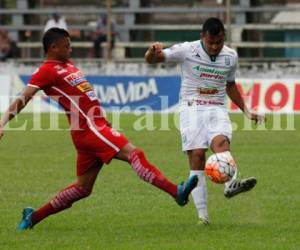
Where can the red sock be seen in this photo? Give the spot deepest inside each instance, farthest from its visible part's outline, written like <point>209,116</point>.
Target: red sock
<point>63,200</point>
<point>151,174</point>
<point>42,213</point>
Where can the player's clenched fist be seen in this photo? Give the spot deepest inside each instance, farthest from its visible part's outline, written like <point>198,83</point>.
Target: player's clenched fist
<point>156,48</point>
<point>154,53</point>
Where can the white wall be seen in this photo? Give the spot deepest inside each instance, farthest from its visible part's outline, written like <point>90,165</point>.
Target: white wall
<point>5,82</point>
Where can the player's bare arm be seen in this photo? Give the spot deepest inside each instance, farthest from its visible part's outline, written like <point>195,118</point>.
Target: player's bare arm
<point>234,94</point>
<point>16,106</point>
<point>154,53</point>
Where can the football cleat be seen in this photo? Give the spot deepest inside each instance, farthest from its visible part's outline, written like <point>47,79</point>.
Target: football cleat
<point>184,189</point>
<point>203,221</point>
<point>238,186</point>
<point>26,222</point>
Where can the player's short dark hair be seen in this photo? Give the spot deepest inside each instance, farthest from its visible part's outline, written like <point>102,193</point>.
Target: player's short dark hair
<point>53,35</point>
<point>213,26</point>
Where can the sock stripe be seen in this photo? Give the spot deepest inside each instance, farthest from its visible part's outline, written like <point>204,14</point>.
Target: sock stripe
<point>72,193</point>
<point>63,200</point>
<point>141,171</point>
<point>67,197</point>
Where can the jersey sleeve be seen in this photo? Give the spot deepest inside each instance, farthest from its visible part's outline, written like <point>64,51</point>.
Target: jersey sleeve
<point>42,78</point>
<point>176,53</point>
<point>232,72</point>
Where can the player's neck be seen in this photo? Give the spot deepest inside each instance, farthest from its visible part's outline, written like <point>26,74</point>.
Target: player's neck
<point>55,59</point>
<point>212,57</point>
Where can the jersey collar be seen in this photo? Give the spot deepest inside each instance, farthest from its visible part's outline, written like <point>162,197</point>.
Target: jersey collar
<point>55,61</point>
<point>212,58</point>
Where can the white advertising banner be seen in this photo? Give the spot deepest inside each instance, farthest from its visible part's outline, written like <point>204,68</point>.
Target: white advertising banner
<point>5,84</point>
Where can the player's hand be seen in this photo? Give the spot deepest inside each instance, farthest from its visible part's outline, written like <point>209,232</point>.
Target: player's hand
<point>156,48</point>
<point>257,118</point>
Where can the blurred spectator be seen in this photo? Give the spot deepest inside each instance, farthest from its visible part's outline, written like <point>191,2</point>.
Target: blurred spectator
<point>56,22</point>
<point>100,35</point>
<point>8,47</point>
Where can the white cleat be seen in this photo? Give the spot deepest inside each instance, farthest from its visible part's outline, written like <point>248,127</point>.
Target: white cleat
<point>238,186</point>
<point>203,221</point>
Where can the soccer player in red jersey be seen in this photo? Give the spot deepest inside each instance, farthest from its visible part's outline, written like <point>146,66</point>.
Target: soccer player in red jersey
<point>95,141</point>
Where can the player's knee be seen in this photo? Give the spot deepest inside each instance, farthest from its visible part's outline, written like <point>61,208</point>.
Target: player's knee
<point>220,144</point>
<point>197,159</point>
<point>199,154</point>
<point>126,152</point>
<point>137,153</point>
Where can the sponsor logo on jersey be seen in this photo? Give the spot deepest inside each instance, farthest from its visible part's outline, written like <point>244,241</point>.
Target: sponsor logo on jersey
<point>208,91</point>
<point>211,73</point>
<point>92,95</point>
<point>84,86</point>
<point>75,78</point>
<point>227,60</point>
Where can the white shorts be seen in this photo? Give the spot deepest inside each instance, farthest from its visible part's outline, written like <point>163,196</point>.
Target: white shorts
<point>198,127</point>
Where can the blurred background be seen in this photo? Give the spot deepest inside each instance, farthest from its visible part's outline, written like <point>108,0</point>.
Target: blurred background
<point>261,30</point>
<point>110,37</point>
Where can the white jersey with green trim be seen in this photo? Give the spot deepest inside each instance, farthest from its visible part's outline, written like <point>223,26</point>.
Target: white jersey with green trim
<point>203,77</point>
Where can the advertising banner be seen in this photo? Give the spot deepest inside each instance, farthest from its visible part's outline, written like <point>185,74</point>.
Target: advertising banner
<point>270,95</point>
<point>130,93</point>
<point>156,93</point>
<point>161,93</point>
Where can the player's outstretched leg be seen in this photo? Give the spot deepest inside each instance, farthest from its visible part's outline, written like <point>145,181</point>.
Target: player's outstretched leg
<point>237,186</point>
<point>63,200</point>
<point>152,175</point>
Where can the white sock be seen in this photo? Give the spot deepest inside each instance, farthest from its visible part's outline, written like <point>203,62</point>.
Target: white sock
<point>232,179</point>
<point>199,194</point>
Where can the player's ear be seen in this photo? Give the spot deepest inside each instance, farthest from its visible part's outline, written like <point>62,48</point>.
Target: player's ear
<point>53,46</point>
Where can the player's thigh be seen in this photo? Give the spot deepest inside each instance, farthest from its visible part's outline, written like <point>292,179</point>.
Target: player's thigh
<point>103,142</point>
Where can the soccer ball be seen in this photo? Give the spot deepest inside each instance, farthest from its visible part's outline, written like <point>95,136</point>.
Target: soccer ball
<point>220,167</point>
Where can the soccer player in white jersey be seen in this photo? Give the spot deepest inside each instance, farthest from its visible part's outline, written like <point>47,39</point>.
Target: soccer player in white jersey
<point>208,70</point>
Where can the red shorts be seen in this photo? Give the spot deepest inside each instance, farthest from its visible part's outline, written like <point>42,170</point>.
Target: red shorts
<point>97,145</point>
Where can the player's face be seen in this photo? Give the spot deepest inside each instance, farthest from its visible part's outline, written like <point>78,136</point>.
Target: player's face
<point>62,49</point>
<point>213,44</point>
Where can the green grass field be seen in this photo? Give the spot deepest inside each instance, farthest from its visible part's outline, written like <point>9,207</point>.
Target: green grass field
<point>126,213</point>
